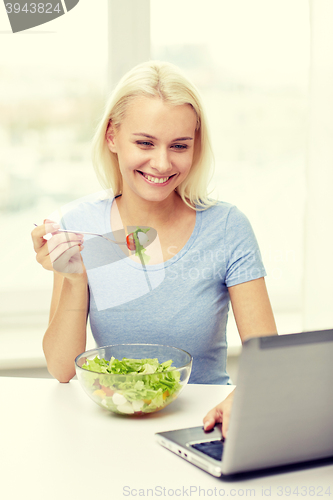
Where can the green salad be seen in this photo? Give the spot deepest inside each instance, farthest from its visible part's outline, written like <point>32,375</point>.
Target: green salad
<point>143,385</point>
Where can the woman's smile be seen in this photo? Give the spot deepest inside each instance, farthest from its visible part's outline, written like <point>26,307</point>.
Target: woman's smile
<point>156,181</point>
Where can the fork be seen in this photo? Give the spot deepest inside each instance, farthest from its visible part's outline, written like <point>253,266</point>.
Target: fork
<point>92,234</point>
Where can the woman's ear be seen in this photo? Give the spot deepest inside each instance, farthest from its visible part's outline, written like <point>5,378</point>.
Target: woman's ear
<point>110,136</point>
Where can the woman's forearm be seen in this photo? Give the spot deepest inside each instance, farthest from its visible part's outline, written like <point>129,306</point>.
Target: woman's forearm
<point>65,337</point>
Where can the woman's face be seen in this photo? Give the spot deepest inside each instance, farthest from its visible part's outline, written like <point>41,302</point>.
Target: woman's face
<point>154,145</point>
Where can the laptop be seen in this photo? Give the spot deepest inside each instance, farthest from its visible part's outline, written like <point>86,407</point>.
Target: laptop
<point>282,411</point>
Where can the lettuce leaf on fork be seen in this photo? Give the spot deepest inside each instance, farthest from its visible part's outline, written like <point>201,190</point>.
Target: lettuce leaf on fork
<point>139,249</point>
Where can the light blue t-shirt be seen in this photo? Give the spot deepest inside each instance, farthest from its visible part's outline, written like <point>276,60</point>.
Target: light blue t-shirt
<point>182,302</point>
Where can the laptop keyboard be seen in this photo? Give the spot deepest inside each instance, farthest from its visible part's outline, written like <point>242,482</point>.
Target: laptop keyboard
<point>213,449</point>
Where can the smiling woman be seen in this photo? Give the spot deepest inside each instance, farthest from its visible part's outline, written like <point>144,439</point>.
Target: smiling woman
<point>152,149</point>
<point>164,99</point>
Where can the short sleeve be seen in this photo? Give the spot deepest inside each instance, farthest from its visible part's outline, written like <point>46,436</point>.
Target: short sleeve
<point>244,262</point>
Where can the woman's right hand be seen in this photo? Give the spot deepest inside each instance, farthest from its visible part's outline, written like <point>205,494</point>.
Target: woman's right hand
<point>220,414</point>
<point>60,253</point>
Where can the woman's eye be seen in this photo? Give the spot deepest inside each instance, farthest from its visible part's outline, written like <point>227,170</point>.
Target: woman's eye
<point>144,143</point>
<point>180,146</point>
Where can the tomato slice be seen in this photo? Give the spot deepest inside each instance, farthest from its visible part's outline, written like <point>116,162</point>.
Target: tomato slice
<point>108,391</point>
<point>130,242</point>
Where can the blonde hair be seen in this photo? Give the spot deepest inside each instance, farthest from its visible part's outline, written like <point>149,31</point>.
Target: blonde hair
<point>165,81</point>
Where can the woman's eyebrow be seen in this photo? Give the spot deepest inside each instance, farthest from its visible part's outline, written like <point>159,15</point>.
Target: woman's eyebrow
<point>152,137</point>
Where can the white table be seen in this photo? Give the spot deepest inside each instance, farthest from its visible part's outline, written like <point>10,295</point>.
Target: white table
<point>58,444</point>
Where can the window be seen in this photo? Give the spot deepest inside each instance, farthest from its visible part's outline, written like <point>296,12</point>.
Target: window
<point>53,85</point>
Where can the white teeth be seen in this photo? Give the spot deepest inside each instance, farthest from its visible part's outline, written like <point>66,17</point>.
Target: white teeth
<point>156,180</point>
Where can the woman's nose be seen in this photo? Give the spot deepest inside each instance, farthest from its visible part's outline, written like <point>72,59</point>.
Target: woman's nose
<point>161,162</point>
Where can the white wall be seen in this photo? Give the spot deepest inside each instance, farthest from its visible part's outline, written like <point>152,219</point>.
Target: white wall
<point>318,272</point>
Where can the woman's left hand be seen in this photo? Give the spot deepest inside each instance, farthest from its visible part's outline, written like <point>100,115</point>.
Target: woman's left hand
<point>220,415</point>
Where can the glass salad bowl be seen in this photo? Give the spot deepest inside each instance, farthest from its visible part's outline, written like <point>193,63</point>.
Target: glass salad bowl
<point>133,379</point>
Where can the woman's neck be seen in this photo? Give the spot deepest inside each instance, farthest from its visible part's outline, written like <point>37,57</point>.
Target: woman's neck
<point>135,211</point>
